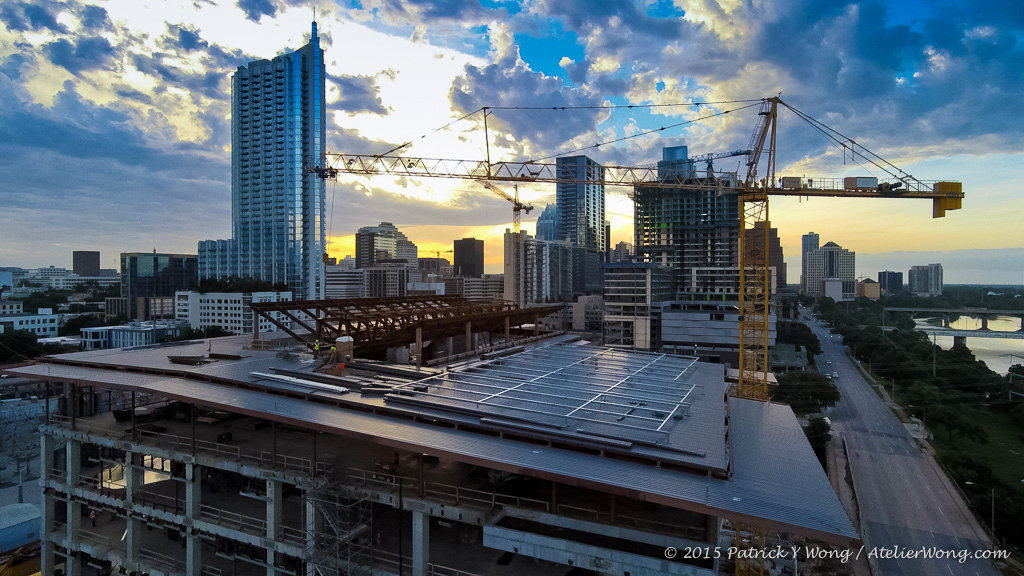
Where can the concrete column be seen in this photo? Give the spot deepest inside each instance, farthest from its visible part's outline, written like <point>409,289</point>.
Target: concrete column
<point>73,564</point>
<point>275,508</point>
<point>469,336</point>
<point>133,479</point>
<point>536,325</point>
<point>193,502</point>
<point>984,322</point>
<point>48,561</point>
<point>450,346</point>
<point>507,319</point>
<point>420,542</point>
<point>959,341</point>
<point>419,347</point>
<point>311,530</point>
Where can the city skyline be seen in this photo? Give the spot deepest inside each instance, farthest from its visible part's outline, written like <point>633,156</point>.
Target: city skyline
<point>129,108</point>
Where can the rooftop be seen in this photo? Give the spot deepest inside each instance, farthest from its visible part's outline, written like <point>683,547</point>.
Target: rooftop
<point>654,427</point>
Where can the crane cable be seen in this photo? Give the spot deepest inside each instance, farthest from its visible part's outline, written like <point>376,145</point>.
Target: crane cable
<point>645,133</point>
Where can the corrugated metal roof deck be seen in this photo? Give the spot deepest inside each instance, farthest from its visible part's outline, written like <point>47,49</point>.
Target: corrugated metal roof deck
<point>776,476</point>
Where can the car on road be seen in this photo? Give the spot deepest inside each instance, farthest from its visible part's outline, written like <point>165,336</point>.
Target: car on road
<point>835,374</point>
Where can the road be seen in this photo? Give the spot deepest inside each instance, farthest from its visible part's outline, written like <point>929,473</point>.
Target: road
<point>905,499</point>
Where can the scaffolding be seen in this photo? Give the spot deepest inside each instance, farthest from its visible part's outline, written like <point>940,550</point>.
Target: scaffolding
<point>338,533</point>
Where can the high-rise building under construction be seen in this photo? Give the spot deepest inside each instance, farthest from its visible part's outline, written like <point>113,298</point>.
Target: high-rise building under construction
<point>695,232</point>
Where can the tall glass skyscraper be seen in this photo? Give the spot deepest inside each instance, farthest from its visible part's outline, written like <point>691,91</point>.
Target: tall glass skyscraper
<point>580,205</point>
<point>278,127</point>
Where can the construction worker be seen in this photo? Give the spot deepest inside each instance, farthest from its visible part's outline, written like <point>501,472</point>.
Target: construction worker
<point>316,348</point>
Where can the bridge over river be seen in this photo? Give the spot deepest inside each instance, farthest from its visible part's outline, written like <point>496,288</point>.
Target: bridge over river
<point>960,335</point>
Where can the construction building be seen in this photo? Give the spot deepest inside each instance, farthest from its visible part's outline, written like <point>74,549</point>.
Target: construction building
<point>543,455</point>
<point>694,232</point>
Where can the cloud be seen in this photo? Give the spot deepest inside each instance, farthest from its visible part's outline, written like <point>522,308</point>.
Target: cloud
<point>359,94</point>
<point>94,18</point>
<point>257,9</point>
<point>22,16</point>
<point>89,53</point>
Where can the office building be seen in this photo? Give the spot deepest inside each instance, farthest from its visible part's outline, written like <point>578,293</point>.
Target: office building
<point>43,323</point>
<point>278,126</point>
<point>85,263</point>
<point>149,281</point>
<point>384,242</point>
<point>622,251</point>
<point>693,232</point>
<point>386,280</point>
<point>925,280</point>
<point>868,288</point>
<point>133,334</point>
<point>229,311</point>
<point>808,243</point>
<point>469,258</point>
<point>831,272</point>
<point>344,283</point>
<point>631,291</point>
<point>891,283</point>
<point>547,223</point>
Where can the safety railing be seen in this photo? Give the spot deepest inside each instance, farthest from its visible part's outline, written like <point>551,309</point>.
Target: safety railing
<point>233,520</point>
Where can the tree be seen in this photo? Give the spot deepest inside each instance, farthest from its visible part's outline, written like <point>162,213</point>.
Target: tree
<point>819,433</point>
<point>806,392</point>
<point>957,425</point>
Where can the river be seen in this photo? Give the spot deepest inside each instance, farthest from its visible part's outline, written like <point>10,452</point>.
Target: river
<point>994,352</point>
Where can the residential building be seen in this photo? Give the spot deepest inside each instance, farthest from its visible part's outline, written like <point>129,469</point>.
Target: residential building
<point>925,280</point>
<point>43,324</point>
<point>834,265</point>
<point>547,223</point>
<point>587,313</point>
<point>581,203</point>
<point>808,243</point>
<point>469,258</point>
<point>85,263</point>
<point>149,278</point>
<point>891,283</point>
<point>228,311</point>
<point>694,232</point>
<point>278,126</point>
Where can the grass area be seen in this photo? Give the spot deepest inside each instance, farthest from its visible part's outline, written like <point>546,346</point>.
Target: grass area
<point>1004,450</point>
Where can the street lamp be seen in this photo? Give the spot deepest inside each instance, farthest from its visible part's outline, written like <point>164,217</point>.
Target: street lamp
<point>992,524</point>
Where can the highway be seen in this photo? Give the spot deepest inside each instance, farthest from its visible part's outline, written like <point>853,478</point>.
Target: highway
<point>905,499</point>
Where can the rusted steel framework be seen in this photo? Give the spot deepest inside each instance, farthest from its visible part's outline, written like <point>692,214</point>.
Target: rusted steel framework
<point>376,324</point>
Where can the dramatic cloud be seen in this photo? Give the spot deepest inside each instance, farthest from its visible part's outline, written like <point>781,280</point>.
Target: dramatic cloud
<point>22,16</point>
<point>359,94</point>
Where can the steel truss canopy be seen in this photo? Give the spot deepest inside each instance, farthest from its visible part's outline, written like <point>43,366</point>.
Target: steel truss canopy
<point>376,324</point>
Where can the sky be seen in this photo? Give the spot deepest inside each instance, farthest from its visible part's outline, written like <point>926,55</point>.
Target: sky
<point>115,115</point>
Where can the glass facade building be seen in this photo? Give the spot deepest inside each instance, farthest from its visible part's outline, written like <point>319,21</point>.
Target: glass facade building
<point>278,127</point>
